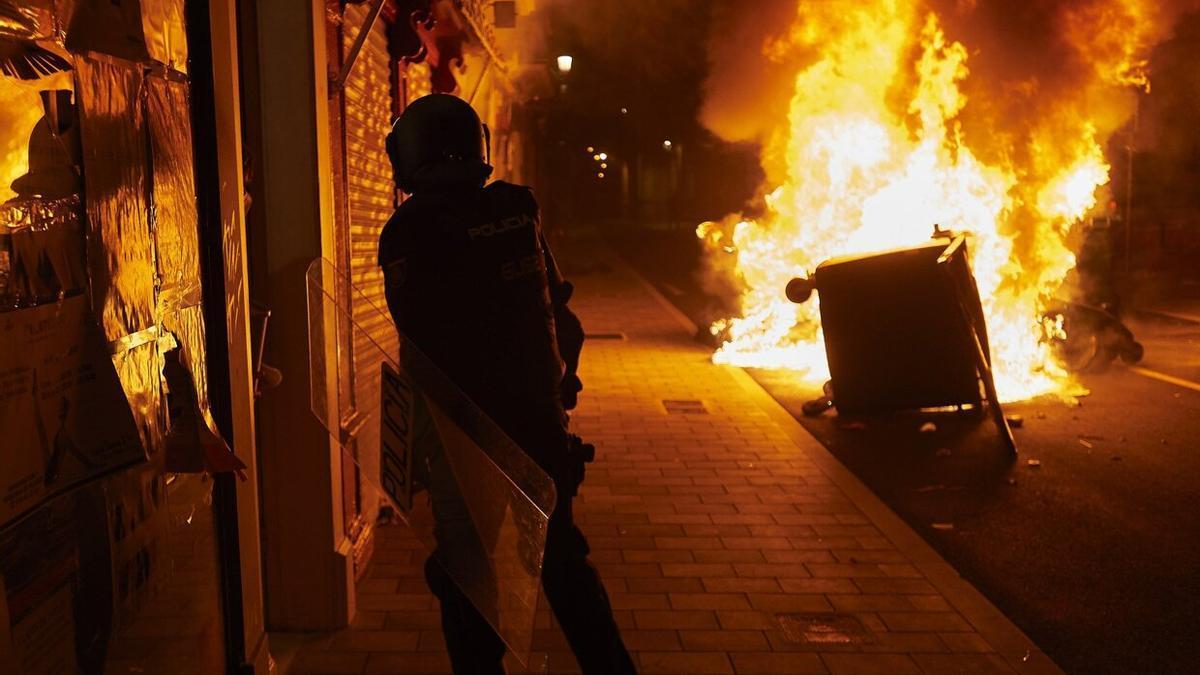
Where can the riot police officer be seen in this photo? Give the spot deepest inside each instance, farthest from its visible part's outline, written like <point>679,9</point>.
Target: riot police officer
<point>470,280</point>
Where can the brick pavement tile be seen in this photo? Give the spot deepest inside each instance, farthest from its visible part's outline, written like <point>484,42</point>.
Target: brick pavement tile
<point>697,570</point>
<point>901,570</point>
<point>619,542</point>
<point>660,585</point>
<point>641,601</point>
<point>800,556</point>
<point>724,640</point>
<point>870,603</point>
<point>607,555</point>
<point>789,602</point>
<point>364,620</point>
<point>652,640</point>
<point>874,542</point>
<point>675,619</point>
<point>930,603</point>
<point>397,602</point>
<point>413,620</point>
<point>709,601</point>
<point>742,585</point>
<point>693,663</point>
<point>393,555</point>
<point>723,556</point>
<point>757,543</point>
<point>850,570</point>
<point>746,620</point>
<point>375,640</point>
<point>715,530</point>
<point>781,531</point>
<point>630,570</point>
<point>911,643</point>
<point>393,664</point>
<point>925,621</point>
<point>870,556</point>
<point>962,664</point>
<point>781,663</point>
<point>803,518</point>
<point>689,543</point>
<point>394,570</point>
<point>412,585</point>
<point>372,586</point>
<point>431,641</point>
<point>657,556</point>
<point>843,586</point>
<point>786,570</point>
<point>893,585</point>
<point>616,585</point>
<point>640,530</point>
<point>871,621</point>
<point>710,509</point>
<point>329,663</point>
<point>742,518</point>
<point>870,664</point>
<point>965,643</point>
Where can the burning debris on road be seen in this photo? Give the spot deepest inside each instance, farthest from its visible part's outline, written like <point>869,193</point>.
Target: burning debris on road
<point>989,120</point>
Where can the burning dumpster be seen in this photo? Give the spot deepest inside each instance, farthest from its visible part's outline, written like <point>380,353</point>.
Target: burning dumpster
<point>904,329</point>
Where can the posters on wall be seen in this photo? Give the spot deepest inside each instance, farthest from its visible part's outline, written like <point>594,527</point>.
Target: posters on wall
<point>62,410</point>
<point>81,574</point>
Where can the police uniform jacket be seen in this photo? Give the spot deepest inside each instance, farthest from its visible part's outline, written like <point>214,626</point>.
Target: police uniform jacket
<point>470,280</point>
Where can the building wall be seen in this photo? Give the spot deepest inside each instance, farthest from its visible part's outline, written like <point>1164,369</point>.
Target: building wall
<point>128,531</point>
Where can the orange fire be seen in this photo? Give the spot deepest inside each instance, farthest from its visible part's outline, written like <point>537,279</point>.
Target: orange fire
<point>875,153</point>
<point>20,109</point>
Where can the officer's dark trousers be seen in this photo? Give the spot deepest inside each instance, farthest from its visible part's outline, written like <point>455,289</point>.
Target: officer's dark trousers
<point>576,596</point>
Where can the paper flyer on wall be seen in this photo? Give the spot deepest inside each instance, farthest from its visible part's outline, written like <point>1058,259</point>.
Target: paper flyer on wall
<point>63,415</point>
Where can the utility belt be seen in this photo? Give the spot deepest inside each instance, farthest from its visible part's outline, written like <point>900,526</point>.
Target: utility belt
<point>579,455</point>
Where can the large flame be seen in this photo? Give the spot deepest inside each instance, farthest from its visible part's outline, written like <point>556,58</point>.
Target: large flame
<point>874,155</point>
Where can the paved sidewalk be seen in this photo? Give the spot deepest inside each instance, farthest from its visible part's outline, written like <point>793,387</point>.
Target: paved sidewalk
<point>729,539</point>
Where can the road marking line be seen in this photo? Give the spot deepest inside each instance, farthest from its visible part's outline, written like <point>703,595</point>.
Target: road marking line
<point>1155,375</point>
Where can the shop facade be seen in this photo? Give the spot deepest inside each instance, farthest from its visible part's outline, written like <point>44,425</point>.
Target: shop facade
<point>168,171</point>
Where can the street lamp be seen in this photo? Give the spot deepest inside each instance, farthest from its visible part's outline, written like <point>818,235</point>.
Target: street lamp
<point>564,62</point>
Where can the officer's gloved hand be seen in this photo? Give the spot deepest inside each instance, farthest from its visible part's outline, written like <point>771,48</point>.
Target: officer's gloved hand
<point>570,388</point>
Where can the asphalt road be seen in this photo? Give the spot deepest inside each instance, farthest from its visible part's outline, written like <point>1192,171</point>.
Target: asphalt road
<point>1095,551</point>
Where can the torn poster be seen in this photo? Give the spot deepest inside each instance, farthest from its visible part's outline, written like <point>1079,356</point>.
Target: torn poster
<point>63,414</point>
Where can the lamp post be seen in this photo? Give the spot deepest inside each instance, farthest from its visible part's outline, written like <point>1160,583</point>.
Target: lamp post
<point>563,63</point>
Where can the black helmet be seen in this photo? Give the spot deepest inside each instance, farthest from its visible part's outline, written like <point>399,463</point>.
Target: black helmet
<point>438,141</point>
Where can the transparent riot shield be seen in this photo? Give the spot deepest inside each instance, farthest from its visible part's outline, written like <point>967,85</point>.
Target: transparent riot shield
<point>477,501</point>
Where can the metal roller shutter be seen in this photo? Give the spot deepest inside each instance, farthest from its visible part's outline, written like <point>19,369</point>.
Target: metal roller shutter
<point>370,200</point>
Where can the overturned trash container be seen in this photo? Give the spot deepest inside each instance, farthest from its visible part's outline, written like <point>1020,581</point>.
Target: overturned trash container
<point>904,330</point>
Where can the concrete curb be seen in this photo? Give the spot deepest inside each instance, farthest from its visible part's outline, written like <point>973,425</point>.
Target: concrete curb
<point>1009,641</point>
